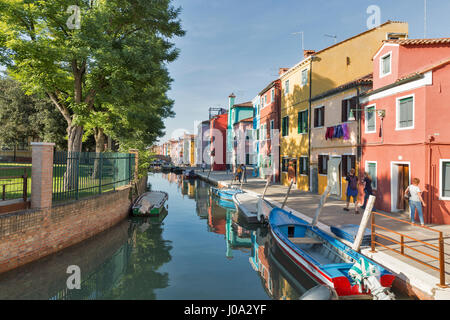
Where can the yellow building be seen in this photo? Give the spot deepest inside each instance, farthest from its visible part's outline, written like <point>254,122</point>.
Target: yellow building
<point>332,67</point>
<point>294,139</point>
<point>337,136</point>
<point>192,159</point>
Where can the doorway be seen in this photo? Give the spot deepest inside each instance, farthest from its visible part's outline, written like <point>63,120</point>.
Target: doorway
<point>400,180</point>
<point>292,170</point>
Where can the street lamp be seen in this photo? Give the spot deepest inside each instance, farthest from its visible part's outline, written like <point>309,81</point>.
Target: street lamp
<point>380,112</point>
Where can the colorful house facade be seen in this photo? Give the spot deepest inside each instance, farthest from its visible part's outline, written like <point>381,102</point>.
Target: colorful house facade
<point>236,113</point>
<point>218,141</point>
<point>269,127</point>
<point>406,125</point>
<point>318,73</point>
<point>334,136</point>
<point>202,143</point>
<point>242,145</point>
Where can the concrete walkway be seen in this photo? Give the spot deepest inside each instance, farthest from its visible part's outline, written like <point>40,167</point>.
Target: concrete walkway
<point>418,279</point>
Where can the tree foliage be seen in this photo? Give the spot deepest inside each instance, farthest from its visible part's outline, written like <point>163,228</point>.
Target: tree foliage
<point>109,73</point>
<point>28,116</point>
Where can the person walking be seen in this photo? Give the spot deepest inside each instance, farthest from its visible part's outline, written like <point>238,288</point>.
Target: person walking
<point>244,172</point>
<point>367,181</point>
<point>414,194</point>
<point>203,166</point>
<point>352,189</point>
<point>239,172</point>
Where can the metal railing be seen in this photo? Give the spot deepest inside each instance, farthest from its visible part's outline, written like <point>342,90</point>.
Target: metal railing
<point>81,174</point>
<point>14,183</point>
<point>440,247</point>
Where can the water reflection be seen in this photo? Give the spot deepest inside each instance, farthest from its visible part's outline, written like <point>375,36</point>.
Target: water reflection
<point>169,257</point>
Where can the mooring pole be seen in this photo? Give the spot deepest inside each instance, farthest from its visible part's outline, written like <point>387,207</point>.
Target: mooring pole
<point>364,222</point>
<point>323,198</point>
<point>265,188</point>
<point>287,194</point>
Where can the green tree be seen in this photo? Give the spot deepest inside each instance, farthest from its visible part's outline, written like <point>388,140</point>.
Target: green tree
<point>28,116</point>
<point>113,54</point>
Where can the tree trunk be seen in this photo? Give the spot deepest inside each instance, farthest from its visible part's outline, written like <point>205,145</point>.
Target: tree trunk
<point>74,143</point>
<point>99,147</point>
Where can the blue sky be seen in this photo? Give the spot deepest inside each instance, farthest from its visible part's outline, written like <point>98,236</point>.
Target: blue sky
<point>238,46</point>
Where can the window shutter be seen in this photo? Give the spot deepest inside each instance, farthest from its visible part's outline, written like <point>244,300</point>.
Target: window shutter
<point>354,107</point>
<point>316,111</point>
<point>344,111</point>
<point>299,123</point>
<point>353,162</point>
<point>305,121</point>
<point>344,166</point>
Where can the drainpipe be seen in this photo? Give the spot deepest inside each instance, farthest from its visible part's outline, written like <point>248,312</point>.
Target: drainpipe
<point>309,122</point>
<point>429,196</point>
<point>358,142</point>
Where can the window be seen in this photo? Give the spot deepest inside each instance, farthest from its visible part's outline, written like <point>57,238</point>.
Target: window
<point>319,117</point>
<point>265,99</point>
<point>284,164</point>
<point>272,94</point>
<point>285,126</point>
<point>304,77</point>
<point>272,126</point>
<point>370,119</point>
<point>323,164</point>
<point>444,179</point>
<point>348,163</point>
<point>347,105</point>
<point>303,121</point>
<point>286,87</point>
<point>303,166</point>
<point>371,169</point>
<point>385,65</point>
<point>405,113</point>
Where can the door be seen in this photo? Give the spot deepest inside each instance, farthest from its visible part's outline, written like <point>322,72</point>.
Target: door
<point>334,176</point>
<point>400,181</point>
<point>292,170</point>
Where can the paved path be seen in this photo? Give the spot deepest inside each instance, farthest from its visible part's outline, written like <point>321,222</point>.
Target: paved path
<point>414,273</point>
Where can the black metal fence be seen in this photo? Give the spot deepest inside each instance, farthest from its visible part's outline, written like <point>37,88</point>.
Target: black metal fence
<point>15,182</point>
<point>82,174</point>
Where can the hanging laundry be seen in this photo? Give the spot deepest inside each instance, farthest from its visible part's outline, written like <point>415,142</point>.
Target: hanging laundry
<point>338,132</point>
<point>329,133</point>
<point>345,131</point>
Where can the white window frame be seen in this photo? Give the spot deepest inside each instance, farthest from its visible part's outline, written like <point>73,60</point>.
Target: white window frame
<point>272,95</point>
<point>382,74</point>
<point>286,87</point>
<point>366,112</point>
<point>367,162</point>
<point>441,197</point>
<point>304,83</point>
<point>397,114</point>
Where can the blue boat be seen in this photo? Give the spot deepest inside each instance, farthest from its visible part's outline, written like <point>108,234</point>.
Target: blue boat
<point>225,193</point>
<point>329,261</point>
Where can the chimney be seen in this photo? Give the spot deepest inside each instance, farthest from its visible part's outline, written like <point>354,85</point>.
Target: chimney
<point>231,98</point>
<point>307,53</point>
<point>282,70</point>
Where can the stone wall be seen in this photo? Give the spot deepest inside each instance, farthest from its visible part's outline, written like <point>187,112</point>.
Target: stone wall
<point>29,235</point>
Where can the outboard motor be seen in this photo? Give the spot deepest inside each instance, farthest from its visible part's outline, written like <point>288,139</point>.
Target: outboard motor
<point>320,292</point>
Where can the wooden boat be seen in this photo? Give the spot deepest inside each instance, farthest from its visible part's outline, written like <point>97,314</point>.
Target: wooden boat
<point>327,260</point>
<point>225,193</point>
<point>247,204</point>
<point>190,175</point>
<point>150,204</point>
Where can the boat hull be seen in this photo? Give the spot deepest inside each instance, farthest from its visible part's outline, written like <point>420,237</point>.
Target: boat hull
<point>334,275</point>
<point>152,211</point>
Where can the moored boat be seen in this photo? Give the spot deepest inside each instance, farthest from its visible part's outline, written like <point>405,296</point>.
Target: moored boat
<point>150,204</point>
<point>225,193</point>
<point>327,260</point>
<point>247,204</point>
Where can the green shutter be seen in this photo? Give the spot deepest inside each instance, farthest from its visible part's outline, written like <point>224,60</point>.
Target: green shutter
<point>406,112</point>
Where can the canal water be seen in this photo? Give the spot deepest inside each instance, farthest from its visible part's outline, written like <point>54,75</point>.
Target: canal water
<point>200,250</point>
